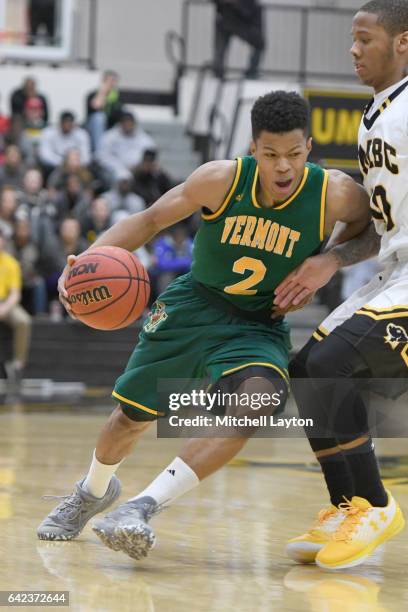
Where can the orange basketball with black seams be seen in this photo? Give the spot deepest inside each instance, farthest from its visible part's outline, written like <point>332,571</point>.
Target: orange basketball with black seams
<point>108,288</point>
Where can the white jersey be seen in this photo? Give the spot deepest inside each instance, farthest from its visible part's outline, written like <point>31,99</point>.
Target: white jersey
<point>383,156</point>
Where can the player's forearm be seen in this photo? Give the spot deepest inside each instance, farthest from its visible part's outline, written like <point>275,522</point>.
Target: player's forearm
<point>140,228</point>
<point>130,233</point>
<point>361,247</point>
<point>346,231</point>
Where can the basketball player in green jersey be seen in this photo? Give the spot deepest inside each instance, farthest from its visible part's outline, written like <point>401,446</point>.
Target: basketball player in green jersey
<point>262,215</point>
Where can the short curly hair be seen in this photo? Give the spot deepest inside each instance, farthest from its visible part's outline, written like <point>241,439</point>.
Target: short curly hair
<point>392,14</point>
<point>279,112</point>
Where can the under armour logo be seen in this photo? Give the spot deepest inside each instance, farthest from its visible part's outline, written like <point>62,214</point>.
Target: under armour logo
<point>172,472</point>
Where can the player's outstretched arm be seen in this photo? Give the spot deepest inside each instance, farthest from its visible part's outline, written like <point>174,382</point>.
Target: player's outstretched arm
<point>206,187</point>
<point>353,239</point>
<point>349,223</point>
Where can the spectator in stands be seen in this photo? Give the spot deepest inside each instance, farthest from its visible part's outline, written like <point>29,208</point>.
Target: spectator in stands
<point>26,100</point>
<point>72,200</point>
<point>12,171</point>
<point>34,121</point>
<point>12,314</point>
<point>103,108</point>
<point>121,197</point>
<point>17,136</point>
<point>8,208</point>
<point>173,255</point>
<point>70,240</point>
<point>33,193</point>
<point>123,146</point>
<point>71,165</point>
<point>56,141</point>
<point>97,220</point>
<point>241,18</point>
<point>149,180</point>
<point>34,294</point>
<point>36,205</point>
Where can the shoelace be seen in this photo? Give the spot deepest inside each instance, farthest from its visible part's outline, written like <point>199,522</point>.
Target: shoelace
<point>149,509</point>
<point>157,509</point>
<point>325,514</point>
<point>351,522</point>
<point>71,505</point>
<point>322,517</point>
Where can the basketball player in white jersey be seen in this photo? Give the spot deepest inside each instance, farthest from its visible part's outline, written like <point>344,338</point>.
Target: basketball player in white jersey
<point>367,336</point>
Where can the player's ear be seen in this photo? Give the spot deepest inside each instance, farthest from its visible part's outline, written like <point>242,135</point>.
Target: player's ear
<point>402,43</point>
<point>309,144</point>
<point>252,147</point>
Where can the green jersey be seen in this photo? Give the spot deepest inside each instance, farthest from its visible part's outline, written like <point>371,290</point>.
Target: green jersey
<point>243,251</point>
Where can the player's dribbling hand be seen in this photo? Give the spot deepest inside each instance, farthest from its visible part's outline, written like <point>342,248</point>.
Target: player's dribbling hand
<point>62,292</point>
<point>311,275</point>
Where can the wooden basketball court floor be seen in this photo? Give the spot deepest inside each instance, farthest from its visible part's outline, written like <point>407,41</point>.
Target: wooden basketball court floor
<point>220,548</point>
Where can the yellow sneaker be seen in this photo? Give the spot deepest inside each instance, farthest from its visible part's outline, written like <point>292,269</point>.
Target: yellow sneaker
<point>364,528</point>
<point>304,548</point>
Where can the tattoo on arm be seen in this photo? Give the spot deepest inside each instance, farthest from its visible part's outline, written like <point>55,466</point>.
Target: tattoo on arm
<point>360,248</point>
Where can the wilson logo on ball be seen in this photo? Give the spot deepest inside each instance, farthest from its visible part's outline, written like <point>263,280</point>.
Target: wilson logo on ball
<point>107,288</point>
<point>99,294</point>
<point>88,268</point>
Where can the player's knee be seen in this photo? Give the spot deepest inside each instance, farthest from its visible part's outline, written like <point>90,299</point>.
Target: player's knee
<point>267,396</point>
<point>298,365</point>
<point>132,419</point>
<point>318,365</point>
<point>256,389</point>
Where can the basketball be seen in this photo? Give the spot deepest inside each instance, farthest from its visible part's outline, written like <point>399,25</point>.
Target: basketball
<point>108,288</point>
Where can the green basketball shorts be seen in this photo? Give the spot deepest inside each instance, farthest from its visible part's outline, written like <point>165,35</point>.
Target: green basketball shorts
<point>186,339</point>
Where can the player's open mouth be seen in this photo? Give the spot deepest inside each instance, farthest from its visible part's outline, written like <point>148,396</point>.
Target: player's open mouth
<point>284,186</point>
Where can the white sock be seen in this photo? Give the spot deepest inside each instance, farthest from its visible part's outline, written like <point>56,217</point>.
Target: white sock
<point>174,481</point>
<point>99,477</point>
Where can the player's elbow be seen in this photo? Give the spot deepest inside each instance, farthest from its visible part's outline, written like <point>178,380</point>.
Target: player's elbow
<point>359,222</point>
<point>151,221</point>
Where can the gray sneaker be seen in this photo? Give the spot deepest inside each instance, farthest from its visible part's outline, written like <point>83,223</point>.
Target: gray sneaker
<point>68,519</point>
<point>126,528</point>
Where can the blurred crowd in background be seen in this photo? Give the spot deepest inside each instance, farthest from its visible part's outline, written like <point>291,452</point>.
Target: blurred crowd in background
<point>63,185</point>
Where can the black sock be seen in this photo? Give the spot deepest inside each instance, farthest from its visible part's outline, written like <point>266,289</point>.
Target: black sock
<point>364,468</point>
<point>338,477</point>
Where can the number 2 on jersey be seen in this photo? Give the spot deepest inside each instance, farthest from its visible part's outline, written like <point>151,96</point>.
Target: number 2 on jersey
<point>244,287</point>
<point>381,207</point>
